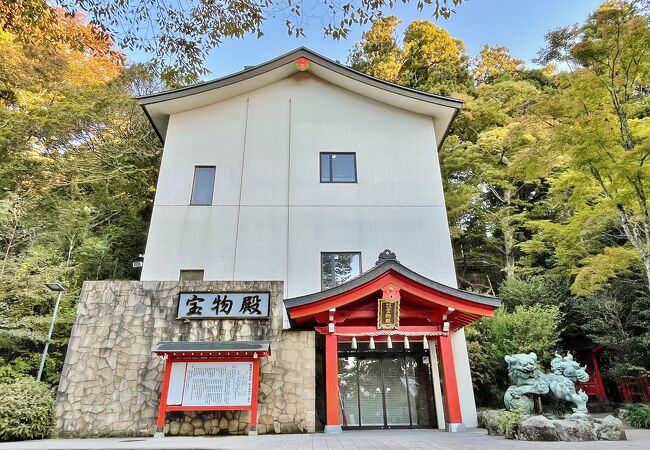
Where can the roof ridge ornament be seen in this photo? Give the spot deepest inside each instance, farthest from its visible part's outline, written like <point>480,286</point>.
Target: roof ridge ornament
<point>302,64</point>
<point>386,255</point>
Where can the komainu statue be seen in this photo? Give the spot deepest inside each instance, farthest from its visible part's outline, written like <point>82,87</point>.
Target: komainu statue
<point>562,382</point>
<point>528,381</point>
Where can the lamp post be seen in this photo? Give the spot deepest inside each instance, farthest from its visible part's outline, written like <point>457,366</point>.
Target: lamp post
<point>54,286</point>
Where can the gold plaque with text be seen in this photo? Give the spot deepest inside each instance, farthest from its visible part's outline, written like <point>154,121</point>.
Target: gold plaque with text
<point>387,314</point>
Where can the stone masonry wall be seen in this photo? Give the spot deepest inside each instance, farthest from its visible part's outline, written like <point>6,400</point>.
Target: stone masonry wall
<point>110,383</point>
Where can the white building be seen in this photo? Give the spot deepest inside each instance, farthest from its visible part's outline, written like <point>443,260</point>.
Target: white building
<point>303,170</point>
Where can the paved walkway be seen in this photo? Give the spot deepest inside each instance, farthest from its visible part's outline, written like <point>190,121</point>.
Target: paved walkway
<point>475,439</point>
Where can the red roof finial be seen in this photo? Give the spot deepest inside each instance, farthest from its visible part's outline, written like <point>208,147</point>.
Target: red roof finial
<point>302,64</point>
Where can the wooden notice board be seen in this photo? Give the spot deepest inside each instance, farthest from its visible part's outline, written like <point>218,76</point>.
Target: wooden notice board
<point>212,383</point>
<point>204,383</point>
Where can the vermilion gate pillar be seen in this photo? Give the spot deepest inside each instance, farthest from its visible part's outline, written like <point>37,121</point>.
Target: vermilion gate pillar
<point>454,418</point>
<point>332,384</point>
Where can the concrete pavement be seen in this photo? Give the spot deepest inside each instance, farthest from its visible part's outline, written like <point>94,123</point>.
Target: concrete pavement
<point>475,439</point>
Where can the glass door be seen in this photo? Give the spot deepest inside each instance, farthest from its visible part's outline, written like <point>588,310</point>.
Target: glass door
<point>385,390</point>
<point>420,391</point>
<point>396,398</point>
<point>371,401</point>
<point>349,391</point>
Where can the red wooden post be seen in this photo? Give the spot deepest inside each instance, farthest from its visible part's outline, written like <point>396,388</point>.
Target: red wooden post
<point>162,406</point>
<point>252,429</point>
<point>598,378</point>
<point>332,384</point>
<point>646,384</point>
<point>452,400</point>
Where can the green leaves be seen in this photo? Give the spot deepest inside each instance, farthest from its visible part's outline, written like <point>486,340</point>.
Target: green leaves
<point>599,150</point>
<point>428,59</point>
<point>180,36</point>
<point>598,270</point>
<point>26,410</point>
<point>524,329</point>
<point>78,168</point>
<point>494,63</point>
<point>636,415</point>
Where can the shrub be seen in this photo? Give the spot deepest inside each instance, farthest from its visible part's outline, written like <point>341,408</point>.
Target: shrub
<point>637,415</point>
<point>534,290</point>
<point>508,422</point>
<point>26,410</point>
<point>525,329</point>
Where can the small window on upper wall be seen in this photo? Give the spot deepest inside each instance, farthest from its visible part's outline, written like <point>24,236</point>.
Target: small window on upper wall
<point>203,186</point>
<point>337,268</point>
<point>191,275</point>
<point>338,167</point>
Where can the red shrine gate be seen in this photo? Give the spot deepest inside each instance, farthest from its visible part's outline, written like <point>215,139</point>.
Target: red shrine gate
<point>385,305</point>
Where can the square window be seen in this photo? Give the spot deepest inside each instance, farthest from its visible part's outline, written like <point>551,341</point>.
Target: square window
<point>191,275</point>
<point>203,186</point>
<point>338,167</point>
<point>337,268</point>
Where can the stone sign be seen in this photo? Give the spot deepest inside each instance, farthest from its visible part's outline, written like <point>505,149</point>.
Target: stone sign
<point>223,305</point>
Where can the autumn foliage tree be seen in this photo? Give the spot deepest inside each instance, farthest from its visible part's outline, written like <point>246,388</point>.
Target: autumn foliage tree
<point>180,35</point>
<point>78,162</point>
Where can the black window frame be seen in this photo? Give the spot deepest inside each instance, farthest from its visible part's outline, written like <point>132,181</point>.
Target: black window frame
<point>214,182</point>
<point>322,287</point>
<point>330,154</point>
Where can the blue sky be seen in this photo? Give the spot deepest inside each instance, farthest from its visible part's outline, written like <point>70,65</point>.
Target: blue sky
<point>518,24</point>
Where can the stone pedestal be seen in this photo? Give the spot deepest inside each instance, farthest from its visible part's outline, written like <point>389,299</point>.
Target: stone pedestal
<point>332,429</point>
<point>573,428</point>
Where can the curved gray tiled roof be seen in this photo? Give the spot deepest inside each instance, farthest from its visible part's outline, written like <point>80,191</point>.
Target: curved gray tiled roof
<point>387,261</point>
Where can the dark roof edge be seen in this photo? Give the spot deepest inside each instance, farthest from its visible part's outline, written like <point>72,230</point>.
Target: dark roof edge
<point>285,59</point>
<point>153,124</point>
<point>381,269</point>
<point>217,82</point>
<point>447,130</point>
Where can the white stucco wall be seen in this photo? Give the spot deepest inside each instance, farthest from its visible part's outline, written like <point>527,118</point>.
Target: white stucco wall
<point>464,379</point>
<point>271,217</point>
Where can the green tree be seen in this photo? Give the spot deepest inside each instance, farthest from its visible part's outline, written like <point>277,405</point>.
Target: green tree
<point>601,129</point>
<point>77,175</point>
<point>428,59</point>
<point>545,290</point>
<point>489,189</point>
<point>488,184</point>
<point>378,53</point>
<point>493,63</point>
<point>433,61</point>
<point>181,35</point>
<point>617,317</point>
<point>525,329</point>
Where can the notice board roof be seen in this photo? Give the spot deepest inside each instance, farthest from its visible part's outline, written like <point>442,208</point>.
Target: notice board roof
<point>212,347</point>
